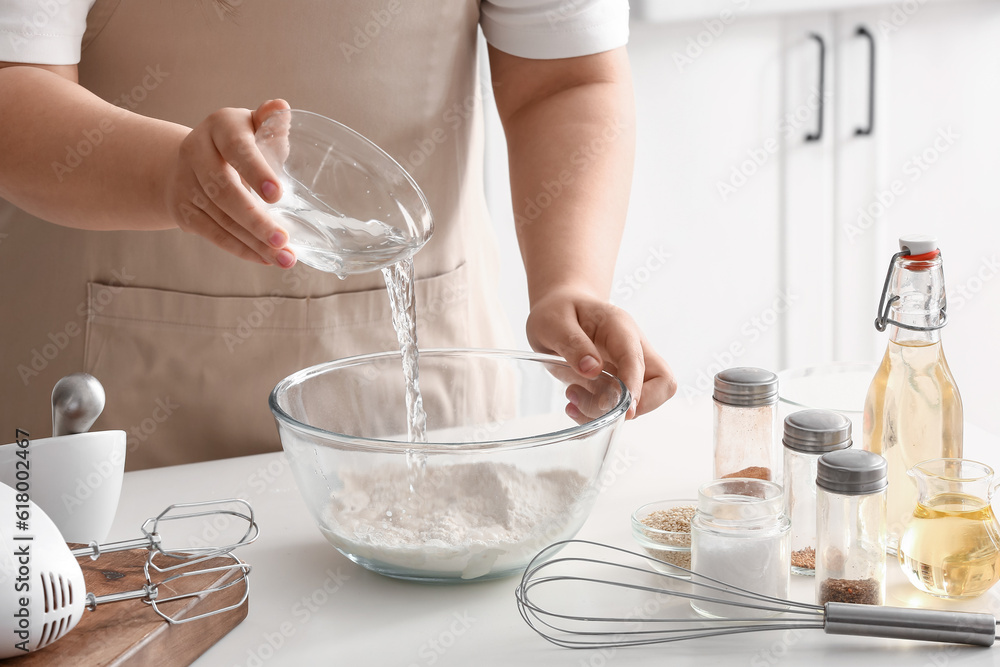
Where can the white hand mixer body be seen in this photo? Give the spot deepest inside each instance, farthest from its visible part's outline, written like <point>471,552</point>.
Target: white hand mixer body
<point>42,592</point>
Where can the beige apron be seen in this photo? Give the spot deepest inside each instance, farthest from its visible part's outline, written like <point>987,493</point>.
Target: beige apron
<point>188,340</point>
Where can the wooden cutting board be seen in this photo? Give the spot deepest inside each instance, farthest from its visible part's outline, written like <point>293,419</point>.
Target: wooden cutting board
<point>130,633</point>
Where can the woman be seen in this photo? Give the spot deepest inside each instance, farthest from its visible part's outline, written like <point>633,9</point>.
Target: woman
<point>188,340</point>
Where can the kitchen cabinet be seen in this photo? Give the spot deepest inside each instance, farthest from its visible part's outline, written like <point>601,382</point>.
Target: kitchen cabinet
<point>927,166</point>
<point>748,244</point>
<point>807,189</point>
<point>693,10</point>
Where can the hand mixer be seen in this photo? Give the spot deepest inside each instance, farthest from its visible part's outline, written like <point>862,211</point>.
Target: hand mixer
<point>572,601</point>
<point>42,590</point>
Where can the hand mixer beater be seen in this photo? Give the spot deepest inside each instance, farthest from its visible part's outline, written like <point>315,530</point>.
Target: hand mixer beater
<point>178,562</point>
<point>44,589</point>
<point>600,596</point>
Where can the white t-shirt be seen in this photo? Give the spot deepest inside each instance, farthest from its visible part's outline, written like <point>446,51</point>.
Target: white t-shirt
<point>49,32</point>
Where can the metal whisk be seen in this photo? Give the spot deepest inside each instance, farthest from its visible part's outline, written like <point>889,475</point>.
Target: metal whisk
<point>582,601</point>
<point>166,564</point>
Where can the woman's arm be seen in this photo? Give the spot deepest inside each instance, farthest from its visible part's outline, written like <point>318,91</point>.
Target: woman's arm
<point>69,157</point>
<point>570,134</point>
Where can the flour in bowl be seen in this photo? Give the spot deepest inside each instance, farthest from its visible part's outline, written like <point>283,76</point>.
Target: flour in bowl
<point>462,520</point>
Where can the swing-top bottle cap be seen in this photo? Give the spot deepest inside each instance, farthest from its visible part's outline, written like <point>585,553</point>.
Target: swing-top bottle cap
<point>918,244</point>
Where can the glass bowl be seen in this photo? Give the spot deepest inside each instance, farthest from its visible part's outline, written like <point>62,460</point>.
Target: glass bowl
<point>347,206</point>
<point>503,474</point>
<point>841,387</point>
<point>670,546</point>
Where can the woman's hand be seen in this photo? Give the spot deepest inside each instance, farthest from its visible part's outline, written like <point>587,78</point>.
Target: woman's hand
<point>593,335</point>
<point>208,191</point>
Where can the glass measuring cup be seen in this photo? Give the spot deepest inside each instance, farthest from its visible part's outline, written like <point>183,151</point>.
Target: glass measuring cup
<point>347,206</point>
<point>950,547</point>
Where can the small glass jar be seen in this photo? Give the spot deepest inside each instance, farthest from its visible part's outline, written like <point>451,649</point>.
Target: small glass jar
<point>851,527</point>
<point>746,424</point>
<point>808,435</point>
<point>740,536</point>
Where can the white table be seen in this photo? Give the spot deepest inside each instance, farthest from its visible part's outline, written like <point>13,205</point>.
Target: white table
<point>311,606</point>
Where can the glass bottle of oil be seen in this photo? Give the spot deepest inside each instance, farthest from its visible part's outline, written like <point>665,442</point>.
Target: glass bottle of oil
<point>913,411</point>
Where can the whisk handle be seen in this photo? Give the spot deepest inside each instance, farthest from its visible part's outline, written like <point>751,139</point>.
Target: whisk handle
<point>954,627</point>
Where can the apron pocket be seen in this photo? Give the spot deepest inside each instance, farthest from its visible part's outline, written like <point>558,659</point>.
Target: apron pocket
<point>188,376</point>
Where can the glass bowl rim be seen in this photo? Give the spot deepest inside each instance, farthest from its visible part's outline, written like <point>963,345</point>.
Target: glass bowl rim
<point>346,441</point>
<point>831,368</point>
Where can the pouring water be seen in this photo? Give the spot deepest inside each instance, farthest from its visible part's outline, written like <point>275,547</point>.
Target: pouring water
<point>349,207</point>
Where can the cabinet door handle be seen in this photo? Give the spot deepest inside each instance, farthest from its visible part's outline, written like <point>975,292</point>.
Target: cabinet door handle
<point>818,134</point>
<point>862,31</point>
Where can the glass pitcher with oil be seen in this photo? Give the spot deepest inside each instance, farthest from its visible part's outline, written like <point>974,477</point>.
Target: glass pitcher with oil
<point>913,411</point>
<point>951,545</point>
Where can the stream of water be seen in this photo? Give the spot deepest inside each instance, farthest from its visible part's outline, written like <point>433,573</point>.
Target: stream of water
<point>402,298</point>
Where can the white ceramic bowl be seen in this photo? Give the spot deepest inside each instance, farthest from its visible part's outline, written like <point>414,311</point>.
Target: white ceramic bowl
<point>76,479</point>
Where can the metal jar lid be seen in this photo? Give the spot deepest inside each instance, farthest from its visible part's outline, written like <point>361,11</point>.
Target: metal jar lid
<point>852,472</point>
<point>816,431</point>
<point>746,387</point>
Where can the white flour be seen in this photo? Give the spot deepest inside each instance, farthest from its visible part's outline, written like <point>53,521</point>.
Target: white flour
<point>463,520</point>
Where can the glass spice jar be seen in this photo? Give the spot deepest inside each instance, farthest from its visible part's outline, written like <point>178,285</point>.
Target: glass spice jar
<point>851,527</point>
<point>808,434</point>
<point>745,424</point>
<point>740,536</point>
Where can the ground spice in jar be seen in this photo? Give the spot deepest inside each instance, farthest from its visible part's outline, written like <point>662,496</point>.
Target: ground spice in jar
<point>676,526</point>
<point>753,472</point>
<point>853,591</point>
<point>804,558</point>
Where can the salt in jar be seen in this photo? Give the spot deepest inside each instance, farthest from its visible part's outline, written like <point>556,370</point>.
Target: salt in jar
<point>740,536</point>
